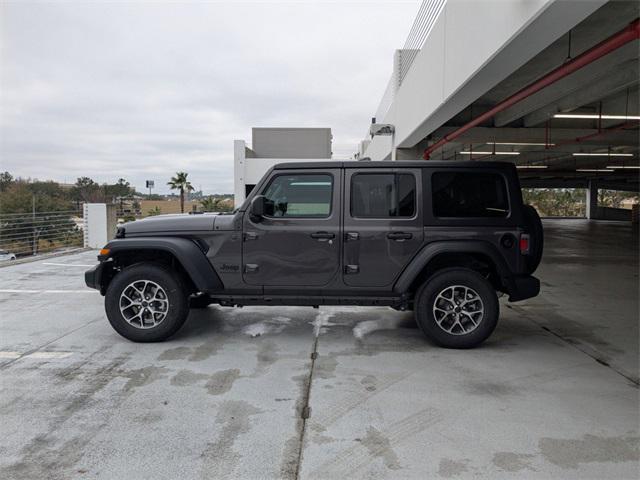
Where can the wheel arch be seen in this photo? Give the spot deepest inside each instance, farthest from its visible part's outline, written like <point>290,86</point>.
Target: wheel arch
<point>181,254</point>
<point>476,255</point>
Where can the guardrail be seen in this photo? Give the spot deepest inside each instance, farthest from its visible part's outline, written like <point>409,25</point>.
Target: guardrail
<point>25,234</point>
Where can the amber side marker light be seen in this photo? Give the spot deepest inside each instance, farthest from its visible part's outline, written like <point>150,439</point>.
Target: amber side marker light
<point>105,251</point>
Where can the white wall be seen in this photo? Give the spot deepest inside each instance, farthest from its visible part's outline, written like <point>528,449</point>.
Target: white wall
<point>249,171</point>
<point>473,46</point>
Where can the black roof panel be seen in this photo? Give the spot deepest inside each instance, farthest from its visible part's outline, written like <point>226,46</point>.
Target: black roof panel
<point>399,164</point>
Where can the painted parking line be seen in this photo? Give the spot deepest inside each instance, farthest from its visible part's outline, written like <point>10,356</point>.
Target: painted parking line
<point>10,354</point>
<point>69,264</point>
<point>49,355</point>
<point>36,355</point>
<point>8,290</point>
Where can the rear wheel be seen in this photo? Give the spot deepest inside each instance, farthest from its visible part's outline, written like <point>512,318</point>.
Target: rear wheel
<point>457,308</point>
<point>146,303</point>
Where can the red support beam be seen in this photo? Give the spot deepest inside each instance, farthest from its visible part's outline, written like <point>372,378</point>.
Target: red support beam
<point>624,36</point>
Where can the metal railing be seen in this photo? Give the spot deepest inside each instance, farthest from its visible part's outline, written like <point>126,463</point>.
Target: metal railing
<point>24,234</point>
<point>427,15</point>
<point>429,12</point>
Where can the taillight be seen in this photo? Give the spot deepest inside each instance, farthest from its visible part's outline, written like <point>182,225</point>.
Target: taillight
<point>525,243</point>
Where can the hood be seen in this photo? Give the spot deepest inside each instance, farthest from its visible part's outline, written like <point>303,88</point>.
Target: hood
<point>172,223</point>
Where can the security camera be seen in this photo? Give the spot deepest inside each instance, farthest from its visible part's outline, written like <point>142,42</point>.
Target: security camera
<point>381,129</point>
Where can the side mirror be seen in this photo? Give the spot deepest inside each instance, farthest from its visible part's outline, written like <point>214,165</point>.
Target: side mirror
<point>257,207</point>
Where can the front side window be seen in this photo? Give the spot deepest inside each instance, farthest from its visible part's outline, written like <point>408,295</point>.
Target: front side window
<point>383,195</point>
<point>469,194</point>
<point>300,195</point>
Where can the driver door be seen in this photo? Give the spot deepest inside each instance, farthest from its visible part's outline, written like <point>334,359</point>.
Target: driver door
<point>297,242</point>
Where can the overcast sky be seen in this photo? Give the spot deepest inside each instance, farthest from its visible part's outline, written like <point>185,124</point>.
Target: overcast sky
<point>142,89</point>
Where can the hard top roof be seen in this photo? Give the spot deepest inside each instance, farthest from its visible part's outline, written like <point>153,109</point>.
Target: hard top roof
<point>398,164</point>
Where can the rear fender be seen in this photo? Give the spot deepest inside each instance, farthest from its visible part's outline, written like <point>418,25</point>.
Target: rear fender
<point>432,250</point>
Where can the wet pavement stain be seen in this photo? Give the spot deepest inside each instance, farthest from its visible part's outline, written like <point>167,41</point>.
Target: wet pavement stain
<point>200,353</point>
<point>380,446</point>
<point>448,468</point>
<point>325,367</point>
<point>177,353</point>
<point>45,456</point>
<point>266,356</point>
<point>220,458</point>
<point>141,377</point>
<point>369,383</point>
<point>204,351</point>
<point>185,378</point>
<point>570,453</point>
<point>512,462</point>
<point>222,381</point>
<point>490,388</point>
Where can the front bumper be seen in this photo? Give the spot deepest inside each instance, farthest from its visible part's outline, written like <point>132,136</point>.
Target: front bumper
<point>93,277</point>
<point>523,287</point>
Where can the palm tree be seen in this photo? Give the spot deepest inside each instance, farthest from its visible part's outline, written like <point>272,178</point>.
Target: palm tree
<point>180,182</point>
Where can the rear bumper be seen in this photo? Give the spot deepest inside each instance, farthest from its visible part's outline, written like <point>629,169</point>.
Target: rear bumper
<point>523,287</point>
<point>93,277</point>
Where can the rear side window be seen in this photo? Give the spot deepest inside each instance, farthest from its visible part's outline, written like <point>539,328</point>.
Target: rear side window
<point>469,194</point>
<point>383,195</point>
<point>299,196</point>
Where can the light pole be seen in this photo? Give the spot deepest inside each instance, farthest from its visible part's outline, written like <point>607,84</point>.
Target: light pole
<point>150,185</point>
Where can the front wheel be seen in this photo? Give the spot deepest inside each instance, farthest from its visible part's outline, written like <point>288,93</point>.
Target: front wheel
<point>146,303</point>
<point>457,308</point>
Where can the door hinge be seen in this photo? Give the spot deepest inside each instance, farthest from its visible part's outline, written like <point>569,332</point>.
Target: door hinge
<point>350,269</point>
<point>250,236</point>
<point>251,268</point>
<point>351,236</point>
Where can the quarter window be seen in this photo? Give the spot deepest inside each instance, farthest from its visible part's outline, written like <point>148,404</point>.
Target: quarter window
<point>298,196</point>
<point>468,194</point>
<point>383,195</point>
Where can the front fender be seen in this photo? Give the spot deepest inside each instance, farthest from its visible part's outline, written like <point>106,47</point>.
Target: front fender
<point>430,251</point>
<point>185,251</point>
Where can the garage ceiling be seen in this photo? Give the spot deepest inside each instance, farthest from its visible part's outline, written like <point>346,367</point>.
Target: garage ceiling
<point>568,150</point>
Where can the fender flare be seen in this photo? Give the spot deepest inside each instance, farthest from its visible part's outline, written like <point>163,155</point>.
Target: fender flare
<point>185,251</point>
<point>430,251</point>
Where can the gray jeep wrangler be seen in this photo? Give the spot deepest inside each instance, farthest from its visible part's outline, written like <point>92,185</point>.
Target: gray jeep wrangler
<point>440,238</point>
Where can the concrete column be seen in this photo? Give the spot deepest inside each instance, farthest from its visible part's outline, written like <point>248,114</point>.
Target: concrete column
<point>592,200</point>
<point>238,172</point>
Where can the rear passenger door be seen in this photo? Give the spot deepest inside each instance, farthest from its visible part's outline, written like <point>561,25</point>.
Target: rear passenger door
<point>383,227</point>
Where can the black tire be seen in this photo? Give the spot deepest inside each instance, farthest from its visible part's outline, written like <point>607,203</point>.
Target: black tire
<point>174,291</point>
<point>440,282</point>
<point>536,232</point>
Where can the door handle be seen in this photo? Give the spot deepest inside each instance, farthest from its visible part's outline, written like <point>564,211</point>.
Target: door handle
<point>399,236</point>
<point>321,236</point>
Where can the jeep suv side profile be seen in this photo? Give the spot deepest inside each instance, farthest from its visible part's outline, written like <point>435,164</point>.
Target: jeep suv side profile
<point>440,238</point>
